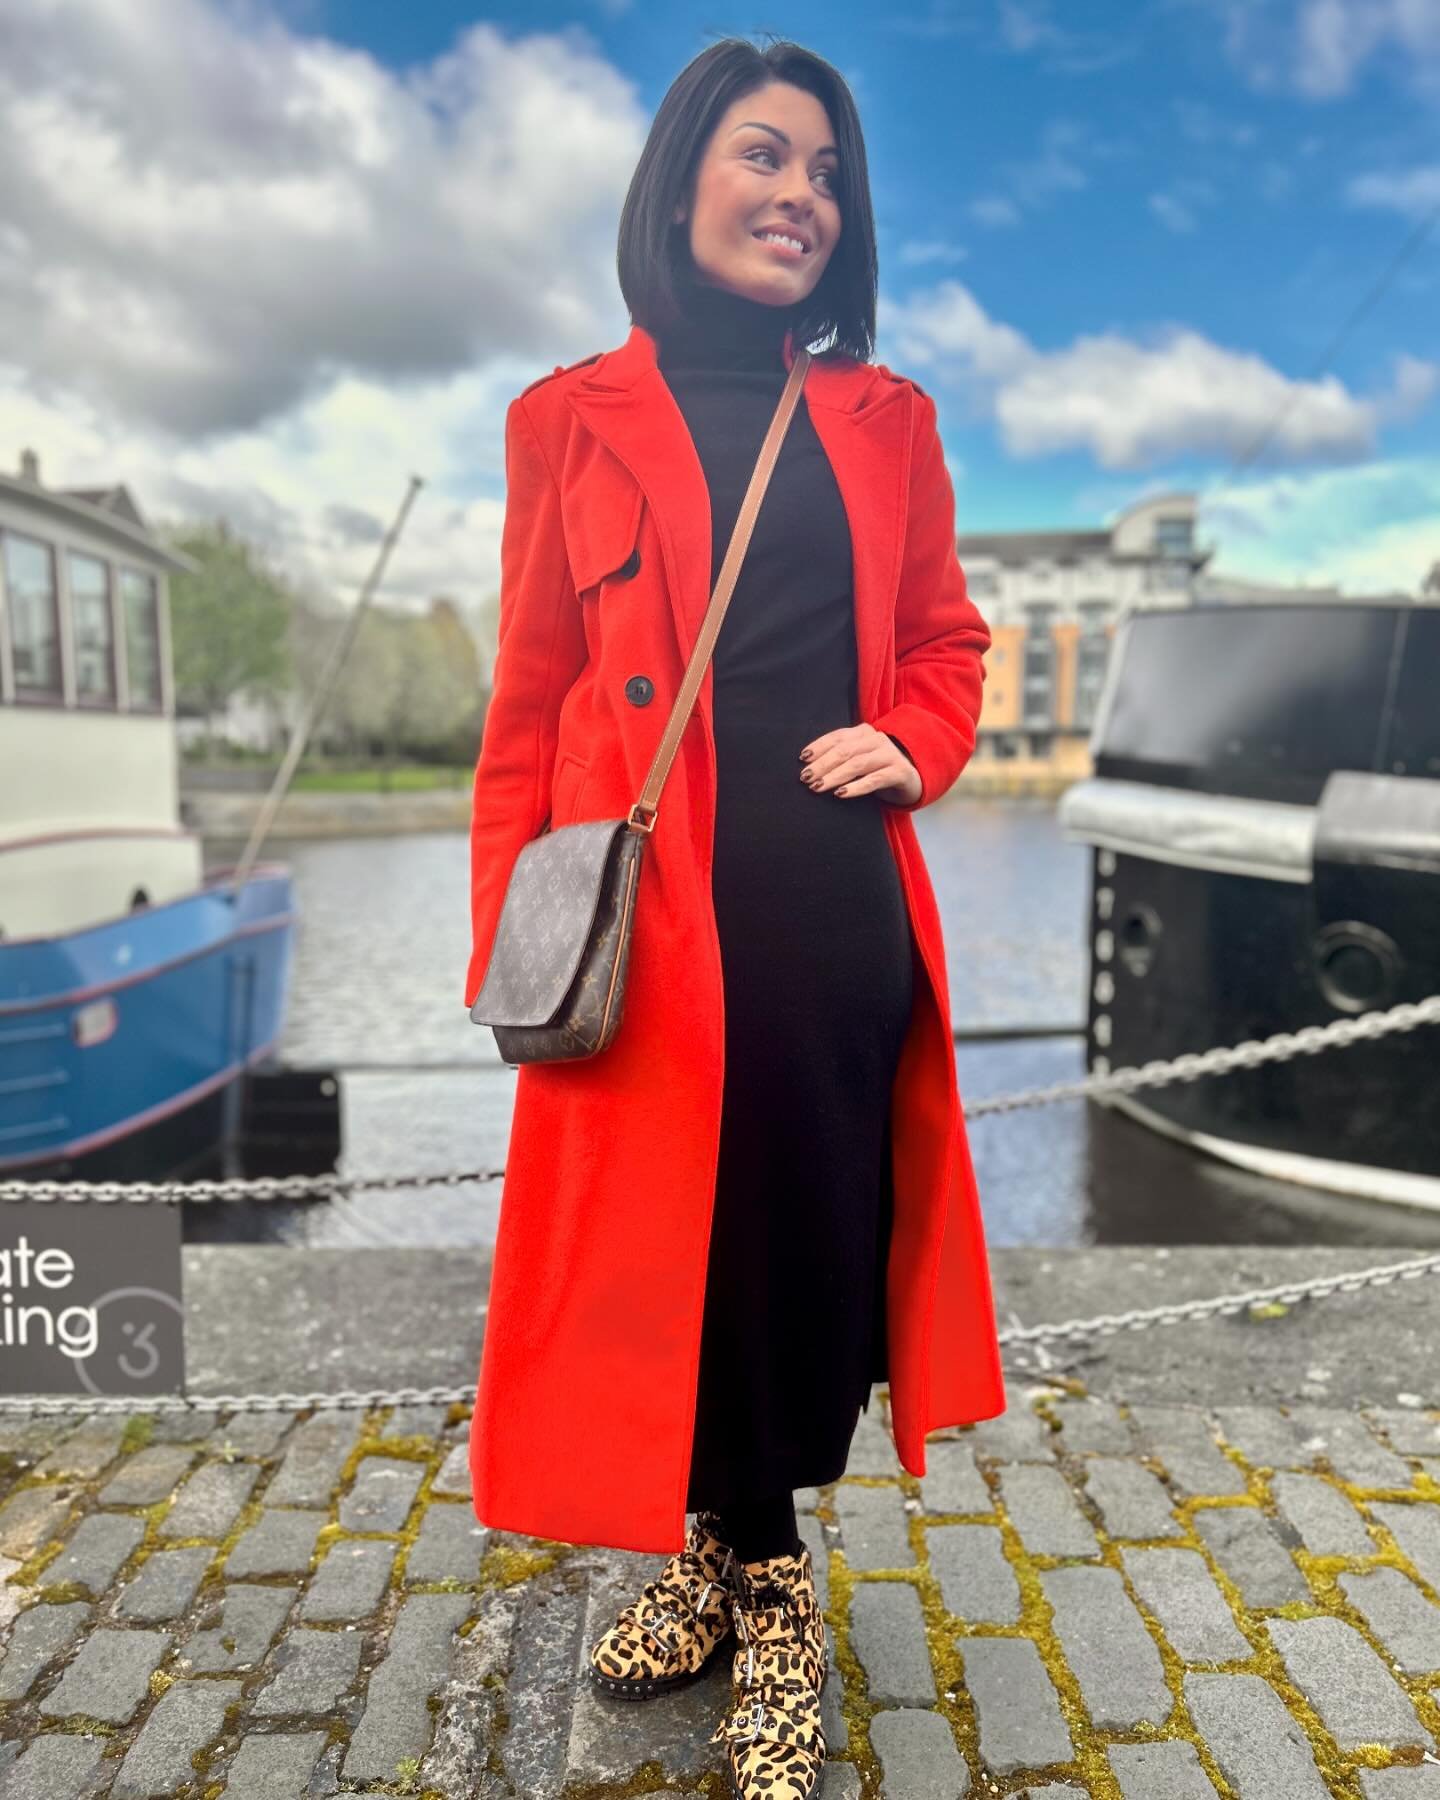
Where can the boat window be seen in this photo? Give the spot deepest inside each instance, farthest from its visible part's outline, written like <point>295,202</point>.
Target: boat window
<point>94,628</point>
<point>142,637</point>
<point>34,616</point>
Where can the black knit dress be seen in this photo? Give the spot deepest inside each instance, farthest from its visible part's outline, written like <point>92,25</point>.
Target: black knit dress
<point>815,947</point>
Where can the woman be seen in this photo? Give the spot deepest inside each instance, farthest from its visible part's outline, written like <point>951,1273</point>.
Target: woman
<point>718,1232</point>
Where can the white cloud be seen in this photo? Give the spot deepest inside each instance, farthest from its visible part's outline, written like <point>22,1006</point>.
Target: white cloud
<point>1175,207</point>
<point>1057,167</point>
<point>204,220</point>
<point>920,253</point>
<point>1133,405</point>
<point>1321,48</point>
<point>994,209</point>
<point>1368,530</point>
<point>1025,26</point>
<point>246,269</point>
<point>315,488</point>
<point>1412,192</point>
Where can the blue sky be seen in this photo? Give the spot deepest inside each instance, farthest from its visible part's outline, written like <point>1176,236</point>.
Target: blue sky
<point>1114,243</point>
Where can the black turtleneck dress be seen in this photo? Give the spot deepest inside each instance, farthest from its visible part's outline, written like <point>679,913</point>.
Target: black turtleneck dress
<point>815,948</point>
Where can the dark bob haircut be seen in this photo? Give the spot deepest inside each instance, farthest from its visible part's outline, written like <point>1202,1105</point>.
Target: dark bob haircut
<point>841,311</point>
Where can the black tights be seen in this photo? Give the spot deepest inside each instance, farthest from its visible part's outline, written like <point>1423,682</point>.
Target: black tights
<point>758,1529</point>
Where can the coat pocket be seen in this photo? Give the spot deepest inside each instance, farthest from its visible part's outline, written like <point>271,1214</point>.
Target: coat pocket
<point>567,785</point>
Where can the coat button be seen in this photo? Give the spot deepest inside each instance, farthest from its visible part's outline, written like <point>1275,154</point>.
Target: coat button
<point>639,690</point>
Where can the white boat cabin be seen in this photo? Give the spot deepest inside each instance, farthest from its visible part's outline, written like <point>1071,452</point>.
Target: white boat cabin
<point>89,780</point>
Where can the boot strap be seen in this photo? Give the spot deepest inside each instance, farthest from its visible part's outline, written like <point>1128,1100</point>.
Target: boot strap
<point>776,1714</point>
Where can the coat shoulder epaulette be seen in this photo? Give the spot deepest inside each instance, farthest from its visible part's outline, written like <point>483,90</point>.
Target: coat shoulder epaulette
<point>562,369</point>
<point>890,375</point>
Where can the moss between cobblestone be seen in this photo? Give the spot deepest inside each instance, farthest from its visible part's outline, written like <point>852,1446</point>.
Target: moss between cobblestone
<point>213,1583</point>
<point>946,1638</point>
<point>79,1725</point>
<point>942,1633</point>
<point>1036,1615</point>
<point>139,1429</point>
<point>650,1778</point>
<point>1270,1666</point>
<point>1322,1573</point>
<point>203,1760</point>
<point>29,1572</point>
<point>504,1567</point>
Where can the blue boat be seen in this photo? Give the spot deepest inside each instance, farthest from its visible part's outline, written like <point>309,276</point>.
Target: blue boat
<point>139,995</point>
<point>123,1047</point>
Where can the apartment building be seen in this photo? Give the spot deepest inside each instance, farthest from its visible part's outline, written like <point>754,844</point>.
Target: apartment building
<point>1052,599</point>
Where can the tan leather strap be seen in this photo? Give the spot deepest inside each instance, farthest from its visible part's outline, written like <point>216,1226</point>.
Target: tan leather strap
<point>649,801</point>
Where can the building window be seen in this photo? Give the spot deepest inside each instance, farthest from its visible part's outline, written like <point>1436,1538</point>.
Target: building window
<point>982,584</point>
<point>1039,687</point>
<point>1175,536</point>
<point>1092,653</point>
<point>1167,576</point>
<point>34,617</point>
<point>139,596</point>
<point>93,623</point>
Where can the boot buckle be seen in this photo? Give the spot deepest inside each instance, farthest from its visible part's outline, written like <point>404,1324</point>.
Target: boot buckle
<point>754,1721</point>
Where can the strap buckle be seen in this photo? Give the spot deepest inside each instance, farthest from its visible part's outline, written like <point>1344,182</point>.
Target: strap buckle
<point>636,824</point>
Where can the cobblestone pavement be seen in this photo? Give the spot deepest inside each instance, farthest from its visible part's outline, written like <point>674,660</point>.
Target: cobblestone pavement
<point>1145,1602</point>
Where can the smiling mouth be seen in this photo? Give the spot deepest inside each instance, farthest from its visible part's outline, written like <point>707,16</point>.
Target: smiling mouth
<point>794,246</point>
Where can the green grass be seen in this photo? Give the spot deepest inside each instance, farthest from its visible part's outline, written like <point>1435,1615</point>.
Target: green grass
<point>373,781</point>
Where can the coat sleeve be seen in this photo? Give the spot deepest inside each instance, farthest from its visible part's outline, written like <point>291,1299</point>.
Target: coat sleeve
<point>940,636</point>
<point>540,652</point>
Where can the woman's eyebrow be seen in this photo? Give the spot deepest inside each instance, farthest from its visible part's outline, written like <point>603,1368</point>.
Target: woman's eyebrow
<point>784,138</point>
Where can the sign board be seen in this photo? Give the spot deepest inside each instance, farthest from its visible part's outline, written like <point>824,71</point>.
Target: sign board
<point>90,1298</point>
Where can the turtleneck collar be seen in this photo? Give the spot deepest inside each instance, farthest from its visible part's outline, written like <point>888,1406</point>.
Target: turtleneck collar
<point>719,329</point>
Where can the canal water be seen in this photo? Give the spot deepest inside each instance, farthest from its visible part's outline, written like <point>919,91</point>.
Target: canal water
<point>378,995</point>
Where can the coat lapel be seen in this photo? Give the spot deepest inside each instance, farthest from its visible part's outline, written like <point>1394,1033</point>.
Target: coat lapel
<point>863,422</point>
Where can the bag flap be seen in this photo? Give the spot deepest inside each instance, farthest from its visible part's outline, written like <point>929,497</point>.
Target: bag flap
<point>545,923</point>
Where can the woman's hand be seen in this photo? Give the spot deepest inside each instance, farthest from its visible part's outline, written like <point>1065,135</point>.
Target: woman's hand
<point>858,759</point>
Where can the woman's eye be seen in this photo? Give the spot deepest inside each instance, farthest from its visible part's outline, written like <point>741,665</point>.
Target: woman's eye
<point>765,150</point>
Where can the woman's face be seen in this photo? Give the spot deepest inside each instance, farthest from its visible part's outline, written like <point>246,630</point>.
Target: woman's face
<point>769,163</point>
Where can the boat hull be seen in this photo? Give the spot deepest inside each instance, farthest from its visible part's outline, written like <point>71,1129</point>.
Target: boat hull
<point>1265,826</point>
<point>1196,958</point>
<point>124,1048</point>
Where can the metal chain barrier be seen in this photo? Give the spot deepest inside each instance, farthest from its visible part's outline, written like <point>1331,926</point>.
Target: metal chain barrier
<point>1282,1047</point>
<point>345,1400</point>
<point>1182,1312</point>
<point>1102,1325</point>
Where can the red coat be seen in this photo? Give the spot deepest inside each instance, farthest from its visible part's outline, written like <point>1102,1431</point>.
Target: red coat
<point>588,1375</point>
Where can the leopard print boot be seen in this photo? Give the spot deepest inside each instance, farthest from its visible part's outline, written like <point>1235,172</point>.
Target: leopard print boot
<point>774,1745</point>
<point>680,1622</point>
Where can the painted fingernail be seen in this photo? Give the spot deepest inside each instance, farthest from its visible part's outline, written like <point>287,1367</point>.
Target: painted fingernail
<point>840,790</point>
<point>805,755</point>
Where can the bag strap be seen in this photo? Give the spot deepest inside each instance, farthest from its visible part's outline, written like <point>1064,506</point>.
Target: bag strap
<point>649,801</point>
